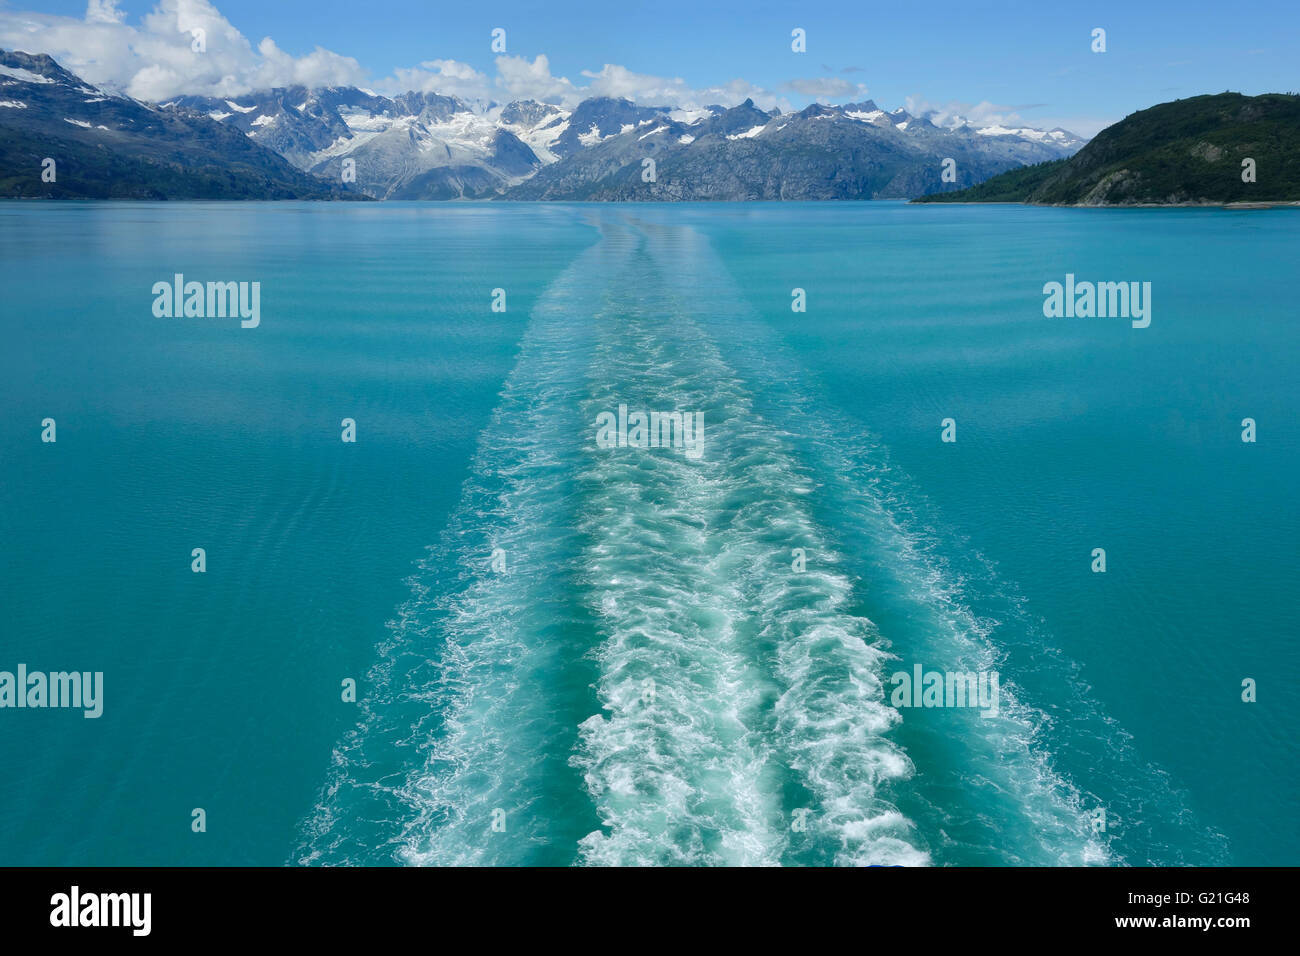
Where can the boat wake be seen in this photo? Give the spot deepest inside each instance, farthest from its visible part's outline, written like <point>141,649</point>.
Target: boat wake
<point>631,655</point>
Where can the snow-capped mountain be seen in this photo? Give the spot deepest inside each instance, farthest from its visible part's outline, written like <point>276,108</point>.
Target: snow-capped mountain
<point>414,146</point>
<point>853,151</point>
<point>61,137</point>
<point>1058,137</point>
<point>540,125</point>
<point>599,118</point>
<point>432,146</point>
<point>427,146</point>
<point>901,120</point>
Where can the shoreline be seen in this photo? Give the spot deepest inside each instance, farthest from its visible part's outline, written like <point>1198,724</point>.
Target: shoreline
<point>1281,203</point>
<point>499,201</point>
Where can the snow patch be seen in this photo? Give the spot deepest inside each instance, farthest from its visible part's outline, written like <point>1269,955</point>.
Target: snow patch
<point>363,120</point>
<point>82,123</point>
<point>749,133</point>
<point>689,117</point>
<point>342,146</point>
<point>240,109</point>
<point>1033,135</point>
<point>26,76</point>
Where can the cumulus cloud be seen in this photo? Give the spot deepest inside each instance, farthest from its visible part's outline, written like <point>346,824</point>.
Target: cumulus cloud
<point>104,11</point>
<point>955,112</point>
<point>737,91</point>
<point>157,58</point>
<point>519,79</point>
<point>619,81</point>
<point>984,113</point>
<point>448,77</point>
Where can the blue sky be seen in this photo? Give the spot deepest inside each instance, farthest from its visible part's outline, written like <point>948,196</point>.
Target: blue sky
<point>1030,62</point>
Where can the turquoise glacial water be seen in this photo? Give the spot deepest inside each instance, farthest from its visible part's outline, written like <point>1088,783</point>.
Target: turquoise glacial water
<point>641,675</point>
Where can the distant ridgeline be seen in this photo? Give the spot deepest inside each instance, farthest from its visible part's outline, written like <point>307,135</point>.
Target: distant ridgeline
<point>1207,149</point>
<point>61,138</point>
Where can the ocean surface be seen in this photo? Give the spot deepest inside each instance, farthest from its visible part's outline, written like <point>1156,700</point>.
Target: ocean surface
<point>574,654</point>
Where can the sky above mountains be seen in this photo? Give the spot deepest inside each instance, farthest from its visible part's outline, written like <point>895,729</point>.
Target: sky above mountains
<point>1009,63</point>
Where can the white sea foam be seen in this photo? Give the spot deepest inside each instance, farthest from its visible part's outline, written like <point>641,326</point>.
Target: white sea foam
<point>754,676</point>
<point>730,691</point>
<point>1003,788</point>
<point>460,686</point>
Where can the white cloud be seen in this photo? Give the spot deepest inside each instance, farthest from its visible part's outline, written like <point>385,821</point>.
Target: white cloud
<point>103,11</point>
<point>448,77</point>
<point>154,60</point>
<point>984,113</point>
<point>521,79</point>
<point>955,112</point>
<point>320,67</point>
<point>517,79</point>
<point>619,81</point>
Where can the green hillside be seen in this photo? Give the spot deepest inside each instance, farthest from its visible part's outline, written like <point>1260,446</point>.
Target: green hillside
<point>1187,151</point>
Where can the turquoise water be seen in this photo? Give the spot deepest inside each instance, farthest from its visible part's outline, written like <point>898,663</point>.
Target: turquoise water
<point>646,679</point>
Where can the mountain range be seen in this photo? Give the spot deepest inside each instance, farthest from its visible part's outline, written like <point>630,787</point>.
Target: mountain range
<point>853,151</point>
<point>296,142</point>
<point>427,146</point>
<point>1222,148</point>
<point>62,138</point>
